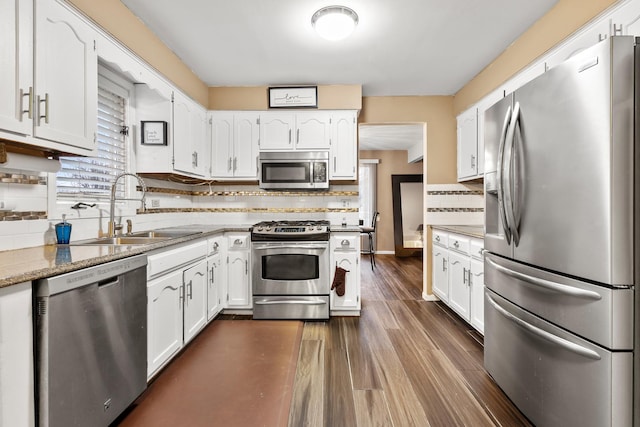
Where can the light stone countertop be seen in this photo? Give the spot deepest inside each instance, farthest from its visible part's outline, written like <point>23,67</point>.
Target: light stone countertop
<point>27,264</point>
<point>24,265</point>
<point>467,230</point>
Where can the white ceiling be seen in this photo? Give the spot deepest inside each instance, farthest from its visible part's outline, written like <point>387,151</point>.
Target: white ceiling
<point>400,47</point>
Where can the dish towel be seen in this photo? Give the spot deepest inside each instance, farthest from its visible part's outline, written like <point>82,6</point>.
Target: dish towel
<point>339,281</point>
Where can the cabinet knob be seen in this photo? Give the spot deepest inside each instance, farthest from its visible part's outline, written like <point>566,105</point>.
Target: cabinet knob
<point>456,244</point>
<point>344,242</point>
<point>237,242</point>
<point>437,238</point>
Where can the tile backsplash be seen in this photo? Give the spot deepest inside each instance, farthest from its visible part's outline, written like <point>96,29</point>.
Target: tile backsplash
<point>30,210</point>
<point>455,204</point>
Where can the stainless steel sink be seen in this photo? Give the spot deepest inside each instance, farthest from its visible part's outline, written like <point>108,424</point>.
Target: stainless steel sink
<point>138,238</point>
<point>171,234</point>
<point>120,240</point>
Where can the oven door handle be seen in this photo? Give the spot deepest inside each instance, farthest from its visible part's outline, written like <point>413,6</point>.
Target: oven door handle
<point>290,301</point>
<point>305,246</point>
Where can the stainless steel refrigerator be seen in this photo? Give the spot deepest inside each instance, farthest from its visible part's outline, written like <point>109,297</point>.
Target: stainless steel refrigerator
<point>561,235</point>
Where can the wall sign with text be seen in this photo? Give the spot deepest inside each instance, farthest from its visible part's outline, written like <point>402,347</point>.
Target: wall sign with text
<point>293,97</point>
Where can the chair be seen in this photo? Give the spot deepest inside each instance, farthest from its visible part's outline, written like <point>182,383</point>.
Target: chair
<point>370,232</point>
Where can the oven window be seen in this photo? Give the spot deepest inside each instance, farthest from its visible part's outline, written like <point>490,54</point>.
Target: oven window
<point>286,172</point>
<point>290,267</point>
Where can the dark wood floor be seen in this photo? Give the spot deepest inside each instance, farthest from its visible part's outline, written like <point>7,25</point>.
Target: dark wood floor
<point>404,362</point>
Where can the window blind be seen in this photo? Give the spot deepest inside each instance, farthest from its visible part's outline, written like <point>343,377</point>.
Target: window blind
<point>92,176</point>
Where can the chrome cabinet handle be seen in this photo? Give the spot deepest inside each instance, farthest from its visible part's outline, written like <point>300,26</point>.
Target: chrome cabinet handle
<point>235,164</point>
<point>190,293</point>
<point>229,165</point>
<point>29,110</point>
<point>46,108</point>
<point>297,136</point>
<point>246,267</point>
<point>444,264</point>
<point>181,297</point>
<point>561,342</point>
<point>211,274</point>
<point>473,162</point>
<point>547,284</point>
<point>289,136</point>
<point>334,164</point>
<point>464,275</point>
<point>194,159</point>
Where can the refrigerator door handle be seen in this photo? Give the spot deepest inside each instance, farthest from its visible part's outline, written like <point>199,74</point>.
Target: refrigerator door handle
<point>554,339</point>
<point>508,166</point>
<point>547,284</point>
<point>500,176</point>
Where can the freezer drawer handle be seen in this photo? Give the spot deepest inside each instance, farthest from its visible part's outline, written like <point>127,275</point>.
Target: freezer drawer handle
<point>561,342</point>
<point>547,284</point>
<point>303,302</point>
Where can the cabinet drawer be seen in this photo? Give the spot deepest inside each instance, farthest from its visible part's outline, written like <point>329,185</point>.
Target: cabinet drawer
<point>167,260</point>
<point>238,241</point>
<point>342,242</point>
<point>459,243</point>
<point>214,245</point>
<point>476,247</point>
<point>440,238</point>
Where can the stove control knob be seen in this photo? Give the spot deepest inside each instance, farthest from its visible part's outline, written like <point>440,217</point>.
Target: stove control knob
<point>268,229</point>
<point>259,228</point>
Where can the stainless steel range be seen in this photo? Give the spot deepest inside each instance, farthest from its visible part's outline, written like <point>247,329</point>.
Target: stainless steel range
<point>290,267</point>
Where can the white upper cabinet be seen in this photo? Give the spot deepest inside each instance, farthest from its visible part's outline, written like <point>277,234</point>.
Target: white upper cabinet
<point>234,144</point>
<point>277,131</point>
<point>467,131</point>
<point>66,77</point>
<point>625,20</point>
<point>189,136</point>
<point>49,91</point>
<point>344,146</point>
<point>313,130</point>
<point>16,62</point>
<point>583,39</point>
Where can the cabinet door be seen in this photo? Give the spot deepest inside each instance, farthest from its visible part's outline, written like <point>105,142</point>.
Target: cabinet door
<point>276,131</point>
<point>351,298</point>
<point>188,149</point>
<point>195,299</point>
<point>313,131</point>
<point>440,278</point>
<point>468,144</point>
<point>245,147</point>
<point>344,150</point>
<point>16,356</point>
<point>238,292</point>
<point>201,144</point>
<point>625,20</point>
<point>222,145</point>
<point>16,62</point>
<point>164,320</point>
<point>477,295</point>
<point>66,77</point>
<point>215,282</point>
<point>459,289</point>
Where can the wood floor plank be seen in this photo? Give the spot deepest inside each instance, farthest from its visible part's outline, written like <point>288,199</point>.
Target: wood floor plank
<point>307,402</point>
<point>404,406</point>
<point>411,326</point>
<point>314,330</point>
<point>372,409</point>
<point>339,407</point>
<point>363,375</point>
<point>373,328</point>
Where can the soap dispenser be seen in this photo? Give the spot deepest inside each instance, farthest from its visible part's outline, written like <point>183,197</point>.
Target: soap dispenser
<point>63,231</point>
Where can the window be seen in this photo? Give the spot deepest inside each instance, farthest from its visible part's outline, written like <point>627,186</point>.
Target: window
<point>91,177</point>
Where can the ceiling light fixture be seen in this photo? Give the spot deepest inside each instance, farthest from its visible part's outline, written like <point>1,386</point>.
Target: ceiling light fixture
<point>334,22</point>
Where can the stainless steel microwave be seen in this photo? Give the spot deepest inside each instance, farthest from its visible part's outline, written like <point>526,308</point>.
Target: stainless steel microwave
<point>285,170</point>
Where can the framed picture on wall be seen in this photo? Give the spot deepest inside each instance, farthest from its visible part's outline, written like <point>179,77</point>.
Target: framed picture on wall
<point>293,97</point>
<point>154,132</point>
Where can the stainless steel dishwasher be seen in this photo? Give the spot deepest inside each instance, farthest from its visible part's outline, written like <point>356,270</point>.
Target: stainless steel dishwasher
<point>91,343</point>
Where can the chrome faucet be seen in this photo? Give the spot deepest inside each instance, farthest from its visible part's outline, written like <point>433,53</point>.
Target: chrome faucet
<point>112,222</point>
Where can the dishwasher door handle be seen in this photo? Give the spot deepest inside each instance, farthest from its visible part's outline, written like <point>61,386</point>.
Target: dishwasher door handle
<point>289,301</point>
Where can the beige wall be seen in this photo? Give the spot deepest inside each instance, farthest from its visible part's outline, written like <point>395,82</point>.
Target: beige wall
<point>123,25</point>
<point>561,21</point>
<point>391,163</point>
<point>330,97</point>
<point>437,112</point>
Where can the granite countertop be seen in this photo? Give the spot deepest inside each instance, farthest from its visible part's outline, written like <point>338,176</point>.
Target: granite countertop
<point>467,230</point>
<point>23,265</point>
<point>349,228</point>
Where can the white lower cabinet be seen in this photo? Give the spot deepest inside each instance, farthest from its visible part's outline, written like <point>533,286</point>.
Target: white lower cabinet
<point>458,275</point>
<point>216,276</point>
<point>238,277</point>
<point>194,282</point>
<point>17,407</point>
<point>345,253</point>
<point>176,300</point>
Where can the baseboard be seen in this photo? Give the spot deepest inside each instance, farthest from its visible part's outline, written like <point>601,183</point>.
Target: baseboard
<point>385,252</point>
<point>431,297</point>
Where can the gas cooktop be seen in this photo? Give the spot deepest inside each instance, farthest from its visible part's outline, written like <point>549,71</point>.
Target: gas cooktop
<point>291,230</point>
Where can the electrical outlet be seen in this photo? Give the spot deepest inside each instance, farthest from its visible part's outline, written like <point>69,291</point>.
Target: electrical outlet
<point>155,203</point>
